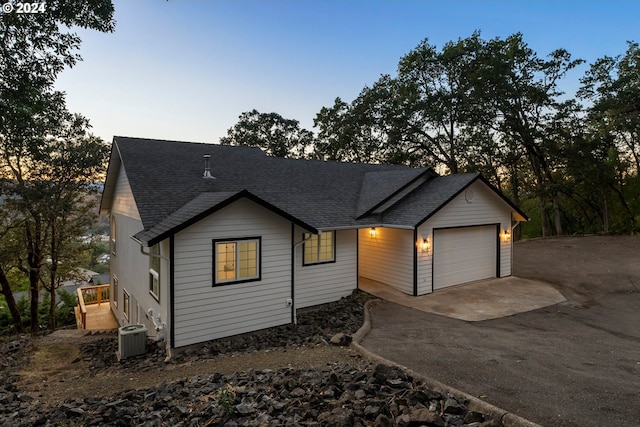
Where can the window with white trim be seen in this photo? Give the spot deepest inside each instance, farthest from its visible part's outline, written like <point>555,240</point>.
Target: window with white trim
<point>112,231</point>
<point>236,260</point>
<point>154,271</point>
<point>319,249</point>
<point>114,281</point>
<point>126,306</point>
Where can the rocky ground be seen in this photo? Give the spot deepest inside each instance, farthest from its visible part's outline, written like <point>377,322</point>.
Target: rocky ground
<point>336,391</point>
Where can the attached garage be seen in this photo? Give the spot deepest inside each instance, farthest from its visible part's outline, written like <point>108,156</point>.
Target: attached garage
<point>464,235</point>
<point>464,254</point>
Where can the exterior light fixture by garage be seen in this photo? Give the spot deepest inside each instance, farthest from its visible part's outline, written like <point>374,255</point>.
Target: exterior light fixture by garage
<point>506,235</point>
<point>372,232</point>
<point>425,245</point>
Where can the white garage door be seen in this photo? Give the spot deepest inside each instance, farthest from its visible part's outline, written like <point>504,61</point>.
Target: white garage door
<point>463,255</point>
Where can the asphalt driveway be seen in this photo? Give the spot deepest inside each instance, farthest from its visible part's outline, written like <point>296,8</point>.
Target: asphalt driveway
<point>576,363</point>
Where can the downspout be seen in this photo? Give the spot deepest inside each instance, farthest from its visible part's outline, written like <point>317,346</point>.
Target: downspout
<point>160,327</point>
<point>149,254</point>
<point>293,273</point>
<point>415,261</point>
<point>513,227</point>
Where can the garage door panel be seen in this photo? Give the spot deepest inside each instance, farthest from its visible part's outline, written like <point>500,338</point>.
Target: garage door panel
<point>463,255</point>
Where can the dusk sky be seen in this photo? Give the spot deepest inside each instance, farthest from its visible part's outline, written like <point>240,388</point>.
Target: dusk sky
<point>186,69</point>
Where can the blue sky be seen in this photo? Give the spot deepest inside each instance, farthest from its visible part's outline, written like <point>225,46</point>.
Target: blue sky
<point>186,69</point>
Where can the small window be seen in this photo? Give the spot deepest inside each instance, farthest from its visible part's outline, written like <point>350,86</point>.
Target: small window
<point>115,290</point>
<point>112,231</point>
<point>319,249</point>
<point>236,260</point>
<point>154,271</point>
<point>126,304</point>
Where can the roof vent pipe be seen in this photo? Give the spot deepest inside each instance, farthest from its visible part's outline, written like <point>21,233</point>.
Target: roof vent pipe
<point>207,167</point>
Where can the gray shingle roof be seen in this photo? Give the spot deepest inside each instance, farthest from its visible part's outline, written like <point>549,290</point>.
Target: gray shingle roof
<point>196,207</point>
<point>377,187</point>
<point>427,199</point>
<point>170,192</point>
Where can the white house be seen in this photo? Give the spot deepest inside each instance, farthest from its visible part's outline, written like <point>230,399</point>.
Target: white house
<point>209,241</point>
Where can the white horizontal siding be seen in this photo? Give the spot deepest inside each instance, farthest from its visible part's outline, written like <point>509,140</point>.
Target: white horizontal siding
<point>204,312</point>
<point>322,283</point>
<point>506,256</point>
<point>485,208</point>
<point>130,267</point>
<point>387,257</point>
<point>123,202</point>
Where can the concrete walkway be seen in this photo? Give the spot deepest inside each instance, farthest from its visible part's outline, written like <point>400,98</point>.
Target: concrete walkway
<point>475,301</point>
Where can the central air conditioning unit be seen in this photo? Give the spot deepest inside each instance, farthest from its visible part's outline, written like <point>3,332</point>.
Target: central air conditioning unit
<point>132,341</point>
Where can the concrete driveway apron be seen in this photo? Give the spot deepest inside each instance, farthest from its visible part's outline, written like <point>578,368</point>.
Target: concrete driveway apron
<point>476,301</point>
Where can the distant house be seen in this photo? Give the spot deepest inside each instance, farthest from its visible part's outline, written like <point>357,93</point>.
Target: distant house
<point>210,241</point>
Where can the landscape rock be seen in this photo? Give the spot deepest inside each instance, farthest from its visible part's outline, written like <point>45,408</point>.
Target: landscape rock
<point>338,395</point>
<point>341,339</point>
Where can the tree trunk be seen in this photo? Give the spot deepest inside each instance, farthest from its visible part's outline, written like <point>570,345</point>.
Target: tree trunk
<point>605,212</point>
<point>556,213</point>
<point>52,308</point>
<point>544,219</point>
<point>34,259</point>
<point>11,302</point>
<point>35,299</point>
<point>632,219</point>
<point>537,166</point>
<point>53,275</point>
<point>515,191</point>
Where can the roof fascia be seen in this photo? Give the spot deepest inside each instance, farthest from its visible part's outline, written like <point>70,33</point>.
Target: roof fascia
<point>239,195</point>
<point>113,169</point>
<point>488,184</point>
<point>446,201</point>
<point>399,190</point>
<point>371,225</point>
<point>503,197</point>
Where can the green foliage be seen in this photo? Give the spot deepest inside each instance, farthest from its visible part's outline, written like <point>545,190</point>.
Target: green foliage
<point>48,158</point>
<point>422,116</point>
<point>6,321</point>
<point>495,107</point>
<point>226,398</point>
<point>19,281</point>
<point>65,315</point>
<point>271,132</point>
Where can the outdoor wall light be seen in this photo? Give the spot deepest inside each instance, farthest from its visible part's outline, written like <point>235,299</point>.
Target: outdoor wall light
<point>425,245</point>
<point>506,235</point>
<point>372,232</point>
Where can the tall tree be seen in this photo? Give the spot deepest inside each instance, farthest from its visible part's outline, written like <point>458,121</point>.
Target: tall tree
<point>75,161</point>
<point>271,132</point>
<point>9,247</point>
<point>357,132</point>
<point>421,116</point>
<point>34,49</point>
<point>521,90</point>
<point>612,87</point>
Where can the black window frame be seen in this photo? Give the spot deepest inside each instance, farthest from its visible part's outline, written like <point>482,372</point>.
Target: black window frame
<point>216,282</point>
<point>304,248</point>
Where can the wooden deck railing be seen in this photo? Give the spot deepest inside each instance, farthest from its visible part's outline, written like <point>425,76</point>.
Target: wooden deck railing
<point>89,295</point>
